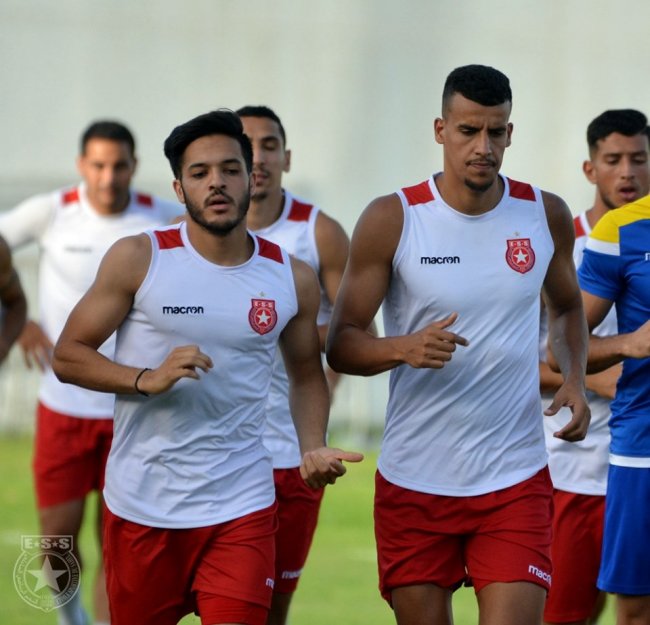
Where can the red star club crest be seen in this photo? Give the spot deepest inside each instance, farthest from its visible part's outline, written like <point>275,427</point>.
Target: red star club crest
<point>520,255</point>
<point>262,315</point>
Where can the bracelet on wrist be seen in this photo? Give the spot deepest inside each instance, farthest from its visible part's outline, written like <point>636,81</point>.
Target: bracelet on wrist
<point>137,379</point>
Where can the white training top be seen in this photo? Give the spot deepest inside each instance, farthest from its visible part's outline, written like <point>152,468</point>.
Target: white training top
<point>193,456</point>
<point>474,426</point>
<point>580,467</point>
<point>73,238</point>
<point>295,231</point>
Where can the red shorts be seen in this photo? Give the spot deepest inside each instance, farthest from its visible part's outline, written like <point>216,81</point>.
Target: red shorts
<point>69,456</point>
<point>223,572</point>
<point>298,507</point>
<point>504,536</point>
<point>575,551</point>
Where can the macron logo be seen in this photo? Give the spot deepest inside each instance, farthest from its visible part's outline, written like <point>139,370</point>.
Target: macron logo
<point>647,255</point>
<point>182,310</point>
<point>291,574</point>
<point>269,582</point>
<point>533,570</point>
<point>439,260</point>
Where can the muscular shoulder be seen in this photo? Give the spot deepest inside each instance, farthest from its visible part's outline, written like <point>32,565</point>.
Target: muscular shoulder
<point>332,241</point>
<point>559,218</point>
<point>127,261</point>
<point>379,228</point>
<point>306,282</point>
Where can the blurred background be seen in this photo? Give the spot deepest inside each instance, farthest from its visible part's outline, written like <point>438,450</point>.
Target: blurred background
<point>357,84</point>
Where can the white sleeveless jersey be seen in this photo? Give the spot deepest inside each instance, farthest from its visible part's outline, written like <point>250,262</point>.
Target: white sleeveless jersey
<point>475,425</point>
<point>73,239</point>
<point>580,467</point>
<point>193,456</point>
<point>294,230</point>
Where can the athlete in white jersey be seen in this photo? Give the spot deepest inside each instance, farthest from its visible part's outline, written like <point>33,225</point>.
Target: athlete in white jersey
<point>459,261</point>
<point>200,309</point>
<point>619,167</point>
<point>74,228</point>
<point>313,237</point>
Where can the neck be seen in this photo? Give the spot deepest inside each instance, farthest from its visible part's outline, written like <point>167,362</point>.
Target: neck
<point>109,209</point>
<point>596,212</point>
<point>228,250</point>
<point>466,200</point>
<point>264,212</point>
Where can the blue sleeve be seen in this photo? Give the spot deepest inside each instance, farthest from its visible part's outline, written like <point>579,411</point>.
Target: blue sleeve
<point>599,274</point>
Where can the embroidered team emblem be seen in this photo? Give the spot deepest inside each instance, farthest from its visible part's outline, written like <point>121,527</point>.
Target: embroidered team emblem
<point>520,255</point>
<point>262,315</point>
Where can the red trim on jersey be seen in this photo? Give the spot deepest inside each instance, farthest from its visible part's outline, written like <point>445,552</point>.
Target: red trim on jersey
<point>578,227</point>
<point>521,190</point>
<point>144,199</point>
<point>418,194</point>
<point>270,250</point>
<point>70,196</point>
<point>167,239</point>
<point>299,211</point>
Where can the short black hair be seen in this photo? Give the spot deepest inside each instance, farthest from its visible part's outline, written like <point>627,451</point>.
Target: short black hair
<point>107,129</point>
<point>219,122</point>
<point>480,83</point>
<point>627,122</point>
<point>263,111</point>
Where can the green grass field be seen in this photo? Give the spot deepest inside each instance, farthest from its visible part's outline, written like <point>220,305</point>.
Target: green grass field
<point>339,584</point>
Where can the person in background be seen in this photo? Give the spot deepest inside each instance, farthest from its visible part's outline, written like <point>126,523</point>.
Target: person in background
<point>315,238</point>
<point>74,227</point>
<point>619,168</point>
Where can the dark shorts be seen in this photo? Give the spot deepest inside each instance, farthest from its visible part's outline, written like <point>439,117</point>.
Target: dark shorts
<point>624,566</point>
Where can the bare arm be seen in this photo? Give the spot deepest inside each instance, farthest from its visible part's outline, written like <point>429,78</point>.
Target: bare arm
<point>605,351</point>
<point>352,346</point>
<point>333,247</point>
<point>99,313</point>
<point>308,393</point>
<point>568,334</point>
<point>12,298</point>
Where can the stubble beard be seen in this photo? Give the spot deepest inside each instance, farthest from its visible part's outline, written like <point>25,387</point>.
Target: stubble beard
<point>220,229</point>
<point>479,188</point>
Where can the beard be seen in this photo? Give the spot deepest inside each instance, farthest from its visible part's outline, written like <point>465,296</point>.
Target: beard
<point>197,215</point>
<point>259,196</point>
<point>479,188</point>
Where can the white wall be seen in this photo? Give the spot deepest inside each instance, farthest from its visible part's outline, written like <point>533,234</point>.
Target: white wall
<point>357,83</point>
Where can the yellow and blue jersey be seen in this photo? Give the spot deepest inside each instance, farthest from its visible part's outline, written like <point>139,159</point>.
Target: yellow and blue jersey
<point>616,267</point>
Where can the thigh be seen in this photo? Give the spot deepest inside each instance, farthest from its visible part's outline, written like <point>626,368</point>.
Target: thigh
<point>626,545</point>
<point>298,507</point>
<point>415,537</point>
<point>516,603</point>
<point>513,541</point>
<point>422,604</point>
<point>575,553</point>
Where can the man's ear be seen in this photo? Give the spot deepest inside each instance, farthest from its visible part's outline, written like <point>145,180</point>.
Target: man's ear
<point>438,129</point>
<point>589,171</point>
<point>178,189</point>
